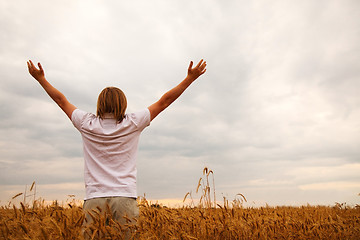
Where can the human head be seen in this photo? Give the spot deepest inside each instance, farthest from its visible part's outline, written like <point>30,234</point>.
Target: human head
<point>111,100</point>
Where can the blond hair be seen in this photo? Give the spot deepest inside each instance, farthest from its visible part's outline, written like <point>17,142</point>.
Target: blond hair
<point>111,100</point>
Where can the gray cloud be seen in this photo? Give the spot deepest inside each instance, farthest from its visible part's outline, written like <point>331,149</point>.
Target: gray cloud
<point>278,104</point>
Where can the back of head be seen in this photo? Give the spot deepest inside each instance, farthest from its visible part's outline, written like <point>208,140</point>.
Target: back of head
<point>111,100</point>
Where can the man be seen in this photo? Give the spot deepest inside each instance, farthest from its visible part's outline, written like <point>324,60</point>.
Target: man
<point>110,142</point>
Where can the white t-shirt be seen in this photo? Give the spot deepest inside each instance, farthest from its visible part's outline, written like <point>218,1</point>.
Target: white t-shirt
<point>110,150</point>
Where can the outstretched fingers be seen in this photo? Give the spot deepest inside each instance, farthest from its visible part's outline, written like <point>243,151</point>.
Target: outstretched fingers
<point>40,67</point>
<point>202,68</point>
<point>37,73</point>
<point>190,65</point>
<point>31,65</point>
<point>199,64</point>
<point>198,70</point>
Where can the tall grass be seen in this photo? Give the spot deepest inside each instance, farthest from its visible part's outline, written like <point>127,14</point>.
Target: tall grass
<point>208,219</point>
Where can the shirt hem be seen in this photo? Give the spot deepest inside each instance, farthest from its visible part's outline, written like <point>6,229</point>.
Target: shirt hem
<point>110,195</point>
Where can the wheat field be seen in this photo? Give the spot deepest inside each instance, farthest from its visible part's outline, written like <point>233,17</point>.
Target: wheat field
<point>205,220</point>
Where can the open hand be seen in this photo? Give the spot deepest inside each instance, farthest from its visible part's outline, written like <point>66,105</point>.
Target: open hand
<point>36,73</point>
<point>197,71</point>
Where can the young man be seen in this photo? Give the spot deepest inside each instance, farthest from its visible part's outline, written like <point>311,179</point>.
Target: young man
<point>110,142</point>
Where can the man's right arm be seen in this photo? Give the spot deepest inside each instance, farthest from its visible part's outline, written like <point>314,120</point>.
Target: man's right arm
<point>170,96</point>
<point>55,94</point>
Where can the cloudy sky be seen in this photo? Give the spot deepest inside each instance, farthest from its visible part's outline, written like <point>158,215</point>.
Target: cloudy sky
<point>276,116</point>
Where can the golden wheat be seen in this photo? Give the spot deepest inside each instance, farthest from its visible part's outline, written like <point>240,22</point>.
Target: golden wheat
<point>229,220</point>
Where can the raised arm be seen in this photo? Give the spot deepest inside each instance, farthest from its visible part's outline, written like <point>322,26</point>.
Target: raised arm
<point>55,94</point>
<point>170,96</point>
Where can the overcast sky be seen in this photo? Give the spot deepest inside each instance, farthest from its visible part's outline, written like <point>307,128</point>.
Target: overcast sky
<point>276,116</point>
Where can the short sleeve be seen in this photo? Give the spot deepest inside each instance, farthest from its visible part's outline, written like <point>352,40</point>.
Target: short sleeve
<point>77,118</point>
<point>141,118</point>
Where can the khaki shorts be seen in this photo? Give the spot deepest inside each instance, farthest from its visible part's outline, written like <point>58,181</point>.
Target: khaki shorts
<point>118,206</point>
